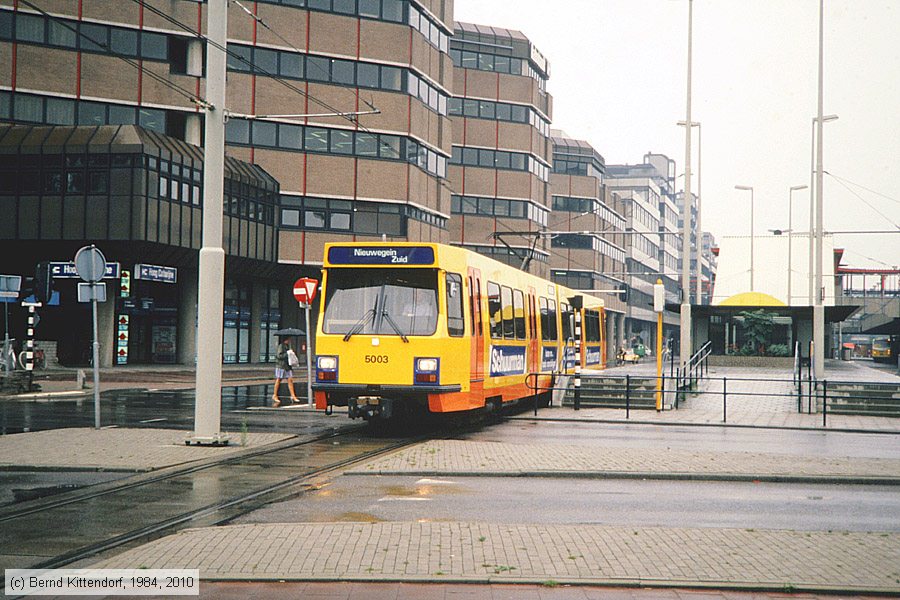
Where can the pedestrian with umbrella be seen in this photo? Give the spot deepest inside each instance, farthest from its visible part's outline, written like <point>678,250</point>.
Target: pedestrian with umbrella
<point>285,361</point>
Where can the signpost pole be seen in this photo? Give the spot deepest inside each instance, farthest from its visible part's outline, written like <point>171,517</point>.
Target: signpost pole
<point>96,360</point>
<point>309,395</point>
<point>659,305</point>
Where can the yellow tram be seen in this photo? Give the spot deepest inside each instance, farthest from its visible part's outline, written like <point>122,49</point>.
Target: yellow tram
<point>415,326</point>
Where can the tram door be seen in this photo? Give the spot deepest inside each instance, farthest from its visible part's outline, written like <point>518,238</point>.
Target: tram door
<point>477,321</point>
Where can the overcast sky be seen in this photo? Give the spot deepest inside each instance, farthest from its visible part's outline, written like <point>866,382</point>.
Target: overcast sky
<point>618,79</point>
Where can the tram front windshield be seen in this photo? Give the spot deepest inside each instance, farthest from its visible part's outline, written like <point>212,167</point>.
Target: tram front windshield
<point>381,302</point>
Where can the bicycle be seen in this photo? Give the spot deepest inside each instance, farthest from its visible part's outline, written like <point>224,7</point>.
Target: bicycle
<point>11,356</point>
<point>38,360</point>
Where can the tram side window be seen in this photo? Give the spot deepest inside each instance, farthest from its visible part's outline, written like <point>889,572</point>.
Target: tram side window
<point>495,310</point>
<point>519,314</point>
<point>456,323</point>
<point>592,326</point>
<point>551,319</point>
<point>545,325</point>
<point>566,321</point>
<point>509,327</point>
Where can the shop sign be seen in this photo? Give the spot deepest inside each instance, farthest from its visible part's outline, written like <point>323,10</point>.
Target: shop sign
<point>122,339</point>
<point>125,284</point>
<point>66,270</point>
<point>156,273</point>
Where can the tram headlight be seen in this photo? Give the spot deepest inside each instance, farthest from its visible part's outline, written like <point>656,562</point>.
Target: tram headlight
<point>426,371</point>
<point>326,368</point>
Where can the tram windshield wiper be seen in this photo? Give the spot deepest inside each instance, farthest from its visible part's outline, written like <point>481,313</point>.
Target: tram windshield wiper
<point>394,326</point>
<point>360,324</point>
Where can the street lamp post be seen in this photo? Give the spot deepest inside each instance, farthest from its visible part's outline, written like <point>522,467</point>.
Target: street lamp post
<point>745,188</point>
<point>790,237</point>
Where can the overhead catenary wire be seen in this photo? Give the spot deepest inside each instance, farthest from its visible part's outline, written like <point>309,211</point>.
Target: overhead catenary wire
<point>863,200</point>
<point>871,191</point>
<point>249,63</point>
<point>191,96</point>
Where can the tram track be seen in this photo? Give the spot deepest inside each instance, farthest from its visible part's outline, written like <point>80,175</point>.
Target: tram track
<point>65,531</point>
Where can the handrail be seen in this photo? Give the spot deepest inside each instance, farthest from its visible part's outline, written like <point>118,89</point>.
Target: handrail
<point>560,360</point>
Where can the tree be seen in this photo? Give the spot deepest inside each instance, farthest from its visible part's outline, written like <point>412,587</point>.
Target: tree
<point>757,325</point>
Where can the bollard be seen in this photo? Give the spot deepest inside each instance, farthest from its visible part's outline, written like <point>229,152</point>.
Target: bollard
<point>577,387</point>
<point>824,403</point>
<point>724,399</point>
<point>627,396</point>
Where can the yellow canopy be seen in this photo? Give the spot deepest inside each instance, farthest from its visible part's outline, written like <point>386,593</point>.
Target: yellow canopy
<point>752,299</point>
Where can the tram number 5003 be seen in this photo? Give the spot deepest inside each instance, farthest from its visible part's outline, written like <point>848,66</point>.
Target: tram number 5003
<point>381,359</point>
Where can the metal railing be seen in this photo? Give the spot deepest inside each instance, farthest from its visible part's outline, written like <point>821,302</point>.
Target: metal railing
<point>688,376</point>
<point>827,397</point>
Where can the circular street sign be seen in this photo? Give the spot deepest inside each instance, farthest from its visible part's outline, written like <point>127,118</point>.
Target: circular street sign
<point>300,291</point>
<point>90,264</point>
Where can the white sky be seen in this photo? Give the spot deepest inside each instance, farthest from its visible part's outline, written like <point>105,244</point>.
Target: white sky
<point>618,79</point>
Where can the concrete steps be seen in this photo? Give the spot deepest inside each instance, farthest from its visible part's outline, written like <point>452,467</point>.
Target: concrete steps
<point>609,392</point>
<point>867,399</point>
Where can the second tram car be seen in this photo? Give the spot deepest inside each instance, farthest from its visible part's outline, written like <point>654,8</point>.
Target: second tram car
<point>429,327</point>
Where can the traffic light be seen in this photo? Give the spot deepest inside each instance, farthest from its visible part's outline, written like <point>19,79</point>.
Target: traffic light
<point>43,283</point>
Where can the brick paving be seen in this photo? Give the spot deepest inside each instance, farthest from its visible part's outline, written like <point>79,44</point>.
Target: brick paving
<point>490,552</point>
<point>459,457</point>
<point>117,448</point>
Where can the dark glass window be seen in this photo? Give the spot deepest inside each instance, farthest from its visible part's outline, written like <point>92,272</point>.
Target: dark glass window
<point>28,108</point>
<point>391,78</point>
<point>152,119</point>
<point>154,46</point>
<point>6,24</point>
<point>30,28</point>
<point>370,8</point>
<point>290,136</point>
<point>316,139</point>
<point>266,61</point>
<point>367,75</point>
<point>291,65</point>
<point>93,38</point>
<point>347,7</point>
<point>60,111</point>
<point>509,326</point>
<point>121,115</point>
<point>123,41</point>
<point>264,133</point>
<point>392,10</point>
<point>367,144</point>
<point>239,57</point>
<point>342,71</point>
<point>59,34</point>
<point>237,131</point>
<point>342,142</point>
<point>318,68</point>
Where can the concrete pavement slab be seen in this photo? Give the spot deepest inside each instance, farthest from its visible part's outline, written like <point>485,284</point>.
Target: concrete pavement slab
<point>531,553</point>
<point>117,449</point>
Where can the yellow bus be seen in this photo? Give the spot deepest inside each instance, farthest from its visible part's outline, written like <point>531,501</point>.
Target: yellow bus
<point>406,327</point>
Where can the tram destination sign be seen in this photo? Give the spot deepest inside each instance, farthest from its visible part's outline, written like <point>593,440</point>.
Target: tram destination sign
<point>381,255</point>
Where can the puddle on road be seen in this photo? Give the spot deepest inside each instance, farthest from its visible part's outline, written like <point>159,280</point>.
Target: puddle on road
<point>421,490</point>
<point>358,517</point>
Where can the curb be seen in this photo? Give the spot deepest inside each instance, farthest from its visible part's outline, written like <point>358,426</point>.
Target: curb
<point>696,424</point>
<point>741,586</point>
<point>654,476</point>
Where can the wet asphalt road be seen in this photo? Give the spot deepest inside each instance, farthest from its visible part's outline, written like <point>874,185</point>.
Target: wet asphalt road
<point>596,502</point>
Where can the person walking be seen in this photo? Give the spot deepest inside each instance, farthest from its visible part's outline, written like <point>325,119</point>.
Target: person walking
<point>284,370</point>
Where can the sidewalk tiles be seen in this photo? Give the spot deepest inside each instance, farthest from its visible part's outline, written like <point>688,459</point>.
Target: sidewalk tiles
<point>457,457</point>
<point>117,449</point>
<point>530,553</point>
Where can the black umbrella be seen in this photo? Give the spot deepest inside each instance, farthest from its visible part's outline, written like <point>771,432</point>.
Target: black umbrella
<point>288,331</point>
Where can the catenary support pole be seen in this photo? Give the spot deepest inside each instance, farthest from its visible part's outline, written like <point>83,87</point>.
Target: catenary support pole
<point>819,308</point>
<point>95,352</point>
<point>210,297</point>
<point>686,212</point>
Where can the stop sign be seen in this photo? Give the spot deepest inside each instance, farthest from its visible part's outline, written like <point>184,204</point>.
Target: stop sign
<point>305,290</point>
